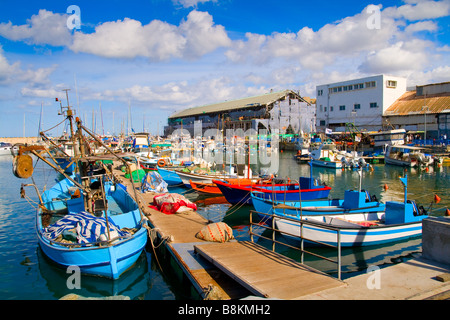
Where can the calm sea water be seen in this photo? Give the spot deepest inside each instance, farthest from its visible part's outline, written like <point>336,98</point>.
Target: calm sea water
<point>27,274</point>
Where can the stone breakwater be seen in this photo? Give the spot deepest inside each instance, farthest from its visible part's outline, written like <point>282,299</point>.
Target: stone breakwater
<point>28,140</point>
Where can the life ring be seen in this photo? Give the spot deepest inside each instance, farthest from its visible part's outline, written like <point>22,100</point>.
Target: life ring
<point>161,162</point>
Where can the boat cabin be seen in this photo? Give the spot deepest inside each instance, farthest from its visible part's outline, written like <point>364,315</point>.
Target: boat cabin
<point>401,212</point>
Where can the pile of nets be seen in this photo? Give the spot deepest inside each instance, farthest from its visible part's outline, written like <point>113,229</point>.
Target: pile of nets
<point>171,203</point>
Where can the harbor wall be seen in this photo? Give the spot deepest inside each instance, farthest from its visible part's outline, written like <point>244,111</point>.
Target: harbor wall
<point>19,140</point>
<point>436,239</point>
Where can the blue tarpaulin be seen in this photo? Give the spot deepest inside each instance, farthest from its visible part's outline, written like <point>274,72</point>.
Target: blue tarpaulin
<point>153,182</point>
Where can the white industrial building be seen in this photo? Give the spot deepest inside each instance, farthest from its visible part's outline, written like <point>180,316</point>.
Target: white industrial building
<point>361,102</point>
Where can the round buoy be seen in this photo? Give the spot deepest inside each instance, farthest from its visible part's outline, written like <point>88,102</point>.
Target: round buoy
<point>385,187</point>
<point>161,162</point>
<point>447,212</point>
<point>23,166</point>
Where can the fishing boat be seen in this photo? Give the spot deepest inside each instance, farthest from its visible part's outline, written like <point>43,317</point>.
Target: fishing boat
<point>208,188</point>
<point>381,139</point>
<point>407,156</point>
<point>307,188</point>
<point>399,221</point>
<point>5,149</point>
<point>208,178</point>
<point>212,188</point>
<point>87,219</point>
<point>326,156</point>
<point>354,201</point>
<point>170,176</point>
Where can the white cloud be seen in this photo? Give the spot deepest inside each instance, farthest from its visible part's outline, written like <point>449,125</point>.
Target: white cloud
<point>190,3</point>
<point>421,26</point>
<point>398,58</point>
<point>158,40</point>
<point>349,48</point>
<point>183,94</point>
<point>421,10</point>
<point>44,28</point>
<point>314,49</point>
<point>14,73</point>
<point>128,38</point>
<point>201,35</point>
<point>40,92</point>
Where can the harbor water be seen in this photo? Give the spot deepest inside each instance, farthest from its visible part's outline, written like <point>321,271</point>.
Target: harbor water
<point>28,275</point>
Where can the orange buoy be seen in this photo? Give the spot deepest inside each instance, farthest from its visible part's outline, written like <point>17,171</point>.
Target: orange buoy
<point>447,212</point>
<point>385,187</point>
<point>437,199</point>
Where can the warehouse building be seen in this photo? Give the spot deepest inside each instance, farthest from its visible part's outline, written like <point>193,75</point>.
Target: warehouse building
<point>284,110</point>
<point>424,111</point>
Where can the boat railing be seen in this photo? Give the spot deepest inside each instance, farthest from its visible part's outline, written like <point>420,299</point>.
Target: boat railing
<point>272,227</point>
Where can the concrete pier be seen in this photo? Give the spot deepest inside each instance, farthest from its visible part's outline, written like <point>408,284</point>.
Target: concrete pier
<point>426,277</point>
<point>436,239</point>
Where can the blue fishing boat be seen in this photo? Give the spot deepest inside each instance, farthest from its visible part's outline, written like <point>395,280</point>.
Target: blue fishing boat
<point>87,219</point>
<point>101,244</point>
<point>399,221</point>
<point>170,176</point>
<point>353,202</point>
<point>307,189</point>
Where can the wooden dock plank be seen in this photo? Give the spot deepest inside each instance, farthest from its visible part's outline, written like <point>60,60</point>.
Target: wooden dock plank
<point>264,272</point>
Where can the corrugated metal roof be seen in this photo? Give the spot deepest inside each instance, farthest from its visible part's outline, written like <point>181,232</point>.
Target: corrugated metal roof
<point>409,103</point>
<point>250,102</point>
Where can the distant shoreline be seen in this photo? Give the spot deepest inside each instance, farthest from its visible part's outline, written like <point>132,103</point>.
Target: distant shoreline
<point>14,140</point>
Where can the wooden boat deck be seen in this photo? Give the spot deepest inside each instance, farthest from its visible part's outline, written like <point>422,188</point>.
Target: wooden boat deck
<point>231,270</point>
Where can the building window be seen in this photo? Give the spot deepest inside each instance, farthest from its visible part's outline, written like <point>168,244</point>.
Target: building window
<point>356,106</point>
<point>391,84</point>
<point>373,105</point>
<point>331,108</point>
<point>341,108</point>
<point>325,109</point>
<point>322,122</point>
<point>321,108</point>
<point>319,93</point>
<point>371,84</point>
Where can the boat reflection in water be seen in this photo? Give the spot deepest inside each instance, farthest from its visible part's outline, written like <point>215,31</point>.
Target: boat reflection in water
<point>133,284</point>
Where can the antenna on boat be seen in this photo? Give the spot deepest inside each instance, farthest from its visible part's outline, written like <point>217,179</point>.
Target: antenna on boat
<point>360,171</point>
<point>405,185</point>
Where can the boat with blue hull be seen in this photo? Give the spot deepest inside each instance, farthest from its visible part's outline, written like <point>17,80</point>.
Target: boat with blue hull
<point>307,189</point>
<point>399,221</point>
<point>86,220</point>
<point>170,176</point>
<point>117,237</point>
<point>353,202</point>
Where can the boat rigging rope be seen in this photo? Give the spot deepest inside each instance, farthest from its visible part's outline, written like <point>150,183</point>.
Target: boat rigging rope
<point>53,126</point>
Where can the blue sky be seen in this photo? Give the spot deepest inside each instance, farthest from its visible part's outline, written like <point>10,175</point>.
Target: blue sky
<point>160,56</point>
